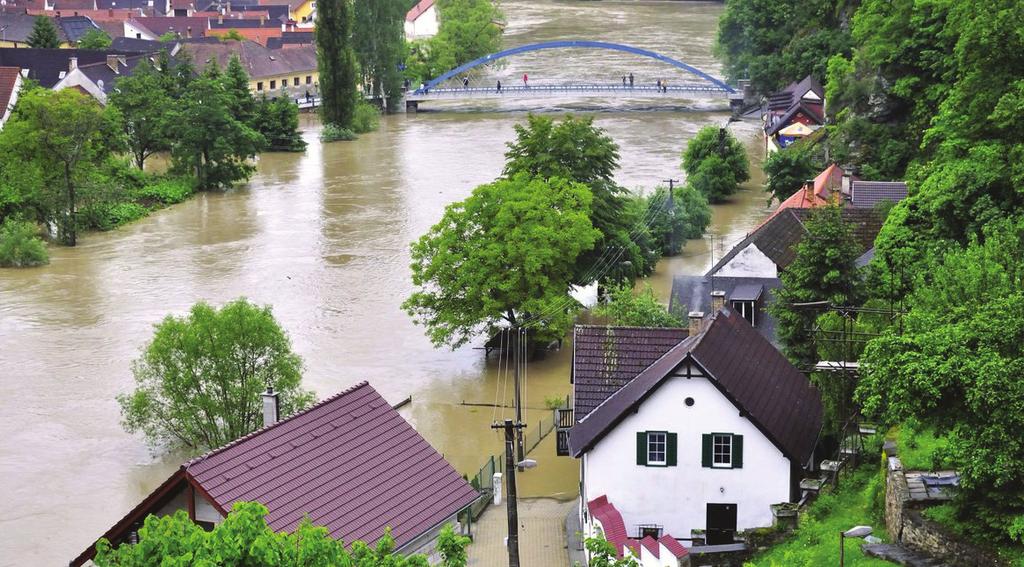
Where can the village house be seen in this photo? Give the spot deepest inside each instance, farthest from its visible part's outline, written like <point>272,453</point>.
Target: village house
<point>794,112</point>
<point>748,274</point>
<point>350,463</point>
<point>687,434</point>
<point>48,67</point>
<point>421,21</point>
<point>271,71</point>
<point>11,81</point>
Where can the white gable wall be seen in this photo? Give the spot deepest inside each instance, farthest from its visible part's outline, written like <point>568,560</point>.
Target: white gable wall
<point>424,26</point>
<point>677,497</point>
<point>749,263</point>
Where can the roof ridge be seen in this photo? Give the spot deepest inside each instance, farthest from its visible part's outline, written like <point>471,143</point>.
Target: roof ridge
<point>629,327</point>
<point>264,429</point>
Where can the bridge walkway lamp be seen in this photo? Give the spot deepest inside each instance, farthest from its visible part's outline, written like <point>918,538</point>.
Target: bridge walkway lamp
<point>858,531</point>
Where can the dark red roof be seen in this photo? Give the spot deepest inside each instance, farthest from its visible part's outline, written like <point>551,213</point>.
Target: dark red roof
<point>651,545</point>
<point>417,10</point>
<point>673,545</point>
<point>606,358</point>
<point>776,397</point>
<point>611,521</point>
<point>351,463</point>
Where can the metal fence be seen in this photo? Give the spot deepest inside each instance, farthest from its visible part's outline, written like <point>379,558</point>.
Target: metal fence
<point>533,438</point>
<point>483,482</point>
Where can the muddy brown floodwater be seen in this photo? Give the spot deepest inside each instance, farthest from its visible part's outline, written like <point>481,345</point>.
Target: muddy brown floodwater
<point>322,237</point>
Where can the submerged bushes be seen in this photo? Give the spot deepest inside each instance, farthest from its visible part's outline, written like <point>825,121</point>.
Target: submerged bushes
<point>19,245</point>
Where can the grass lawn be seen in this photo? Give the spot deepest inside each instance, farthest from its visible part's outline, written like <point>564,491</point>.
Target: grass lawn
<point>816,541</point>
<point>916,447</point>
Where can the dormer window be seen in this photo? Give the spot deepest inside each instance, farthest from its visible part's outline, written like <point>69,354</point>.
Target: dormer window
<point>744,300</point>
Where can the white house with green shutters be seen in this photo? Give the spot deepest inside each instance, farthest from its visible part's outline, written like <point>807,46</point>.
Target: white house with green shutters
<point>707,436</point>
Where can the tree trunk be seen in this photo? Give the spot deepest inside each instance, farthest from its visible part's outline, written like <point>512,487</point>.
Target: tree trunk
<point>70,236</point>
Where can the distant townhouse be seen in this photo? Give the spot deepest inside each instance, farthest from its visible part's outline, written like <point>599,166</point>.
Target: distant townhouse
<point>155,28</point>
<point>271,71</point>
<point>794,112</point>
<point>687,435</point>
<point>421,21</point>
<point>351,463</point>
<point>98,80</point>
<point>49,66</point>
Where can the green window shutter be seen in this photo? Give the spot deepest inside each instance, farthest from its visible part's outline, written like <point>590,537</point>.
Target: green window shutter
<point>670,455</point>
<point>737,451</point>
<point>705,458</point>
<point>641,448</point>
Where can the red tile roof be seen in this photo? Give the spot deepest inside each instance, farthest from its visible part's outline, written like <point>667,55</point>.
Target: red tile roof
<point>673,545</point>
<point>611,522</point>
<point>827,185</point>
<point>413,14</point>
<point>8,81</point>
<point>651,545</point>
<point>351,463</point>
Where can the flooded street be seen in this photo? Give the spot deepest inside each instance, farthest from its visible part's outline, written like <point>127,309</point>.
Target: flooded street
<point>323,238</point>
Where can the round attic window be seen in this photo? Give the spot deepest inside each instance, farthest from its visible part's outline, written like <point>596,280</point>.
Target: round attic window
<point>689,402</point>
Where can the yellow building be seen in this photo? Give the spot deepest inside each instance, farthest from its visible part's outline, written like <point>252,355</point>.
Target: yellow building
<point>291,71</point>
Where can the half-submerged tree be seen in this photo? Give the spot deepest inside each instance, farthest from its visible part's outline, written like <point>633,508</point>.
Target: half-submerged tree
<point>336,61</point>
<point>503,256</point>
<point>379,42</point>
<point>143,101</point>
<point>199,380</point>
<point>715,163</point>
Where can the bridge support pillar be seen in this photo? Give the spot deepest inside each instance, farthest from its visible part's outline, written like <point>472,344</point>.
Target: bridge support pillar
<point>736,104</point>
<point>412,106</point>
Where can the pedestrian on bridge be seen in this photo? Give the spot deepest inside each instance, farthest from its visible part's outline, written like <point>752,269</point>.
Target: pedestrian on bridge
<point>664,87</point>
<point>526,79</point>
<point>659,84</point>
<point>465,82</point>
<point>631,80</point>
<point>499,85</point>
<point>623,80</point>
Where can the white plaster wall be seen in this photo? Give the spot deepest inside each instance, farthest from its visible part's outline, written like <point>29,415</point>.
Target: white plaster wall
<point>425,26</point>
<point>77,78</point>
<point>205,512</point>
<point>677,497</point>
<point>749,263</point>
<point>13,100</point>
<point>136,31</point>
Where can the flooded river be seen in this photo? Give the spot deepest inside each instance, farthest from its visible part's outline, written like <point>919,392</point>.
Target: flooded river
<point>322,237</point>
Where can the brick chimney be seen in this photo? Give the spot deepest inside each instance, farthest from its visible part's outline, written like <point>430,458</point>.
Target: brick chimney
<point>220,18</point>
<point>112,62</point>
<point>188,32</point>
<point>72,63</point>
<point>271,407</point>
<point>110,13</point>
<point>263,18</point>
<point>846,186</point>
<point>809,190</point>
<point>696,322</point>
<point>717,301</point>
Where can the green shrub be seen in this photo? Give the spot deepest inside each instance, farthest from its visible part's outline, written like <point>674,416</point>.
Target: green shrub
<point>19,245</point>
<point>366,118</point>
<point>106,216</point>
<point>335,133</point>
<point>165,191</point>
<point>122,173</point>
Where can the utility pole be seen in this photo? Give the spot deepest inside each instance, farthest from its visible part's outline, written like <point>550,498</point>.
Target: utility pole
<point>671,212</point>
<point>510,483</point>
<point>516,358</point>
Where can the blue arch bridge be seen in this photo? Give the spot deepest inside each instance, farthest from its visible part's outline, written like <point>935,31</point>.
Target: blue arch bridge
<point>698,84</point>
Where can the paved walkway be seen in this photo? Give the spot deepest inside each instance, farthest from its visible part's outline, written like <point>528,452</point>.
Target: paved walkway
<point>541,535</point>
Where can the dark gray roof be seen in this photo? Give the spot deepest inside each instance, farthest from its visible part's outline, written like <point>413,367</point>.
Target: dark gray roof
<point>290,38</point>
<point>693,293</point>
<point>865,258</point>
<point>775,396</point>
<point>239,23</point>
<point>778,237</point>
<point>631,348</point>
<point>74,27</point>
<point>749,291</point>
<point>17,26</point>
<point>46,65</point>
<point>104,75</point>
<point>135,45</point>
<point>866,194</point>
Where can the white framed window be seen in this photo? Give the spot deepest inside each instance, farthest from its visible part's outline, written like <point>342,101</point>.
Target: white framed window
<point>657,448</point>
<point>721,450</point>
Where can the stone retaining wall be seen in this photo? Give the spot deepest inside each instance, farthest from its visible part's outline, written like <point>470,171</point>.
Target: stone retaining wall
<point>906,525</point>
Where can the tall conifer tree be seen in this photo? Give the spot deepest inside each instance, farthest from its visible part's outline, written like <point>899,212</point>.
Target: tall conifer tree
<point>44,34</point>
<point>337,62</point>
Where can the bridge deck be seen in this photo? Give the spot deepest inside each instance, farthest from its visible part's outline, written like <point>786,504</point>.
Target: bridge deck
<point>520,91</point>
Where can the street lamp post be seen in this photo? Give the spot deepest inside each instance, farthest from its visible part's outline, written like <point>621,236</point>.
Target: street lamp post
<point>858,531</point>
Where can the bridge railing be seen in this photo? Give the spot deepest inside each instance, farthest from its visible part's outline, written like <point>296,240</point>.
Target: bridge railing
<point>469,91</point>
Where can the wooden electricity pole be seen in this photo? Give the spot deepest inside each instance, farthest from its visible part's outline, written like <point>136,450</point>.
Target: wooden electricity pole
<point>510,483</point>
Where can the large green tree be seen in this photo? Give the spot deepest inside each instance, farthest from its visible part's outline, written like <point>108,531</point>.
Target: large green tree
<point>379,42</point>
<point>504,255</point>
<point>64,137</point>
<point>687,216</point>
<point>240,100</point>
<point>277,120</point>
<point>44,34</point>
<point>469,29</point>
<point>244,538</point>
<point>209,143</point>
<point>957,366</point>
<point>94,39</point>
<point>715,163</point>
<point>789,168</point>
<point>144,103</point>
<point>577,150</point>
<point>336,61</point>
<point>823,270</point>
<point>199,380</point>
<point>641,309</point>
